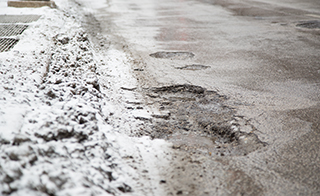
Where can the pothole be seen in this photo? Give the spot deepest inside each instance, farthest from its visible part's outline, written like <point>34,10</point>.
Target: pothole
<point>193,67</point>
<point>199,120</point>
<point>173,55</point>
<point>312,24</point>
<point>179,88</point>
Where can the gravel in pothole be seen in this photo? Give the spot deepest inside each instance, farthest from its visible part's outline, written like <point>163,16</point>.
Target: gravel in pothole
<point>200,120</point>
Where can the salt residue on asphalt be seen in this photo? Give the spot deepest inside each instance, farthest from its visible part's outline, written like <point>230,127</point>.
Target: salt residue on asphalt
<point>63,118</point>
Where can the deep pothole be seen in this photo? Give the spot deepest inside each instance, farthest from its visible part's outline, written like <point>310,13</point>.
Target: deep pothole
<point>200,121</point>
<point>172,55</point>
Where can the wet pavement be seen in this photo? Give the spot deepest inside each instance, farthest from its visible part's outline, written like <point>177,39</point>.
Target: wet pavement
<point>257,63</point>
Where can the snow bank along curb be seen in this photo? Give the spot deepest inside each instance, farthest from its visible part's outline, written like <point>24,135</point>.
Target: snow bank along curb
<point>55,136</point>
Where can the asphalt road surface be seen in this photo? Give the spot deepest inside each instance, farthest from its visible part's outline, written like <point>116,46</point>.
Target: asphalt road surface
<point>260,58</point>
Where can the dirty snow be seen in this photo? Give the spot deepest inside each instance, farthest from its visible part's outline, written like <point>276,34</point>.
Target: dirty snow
<point>64,120</point>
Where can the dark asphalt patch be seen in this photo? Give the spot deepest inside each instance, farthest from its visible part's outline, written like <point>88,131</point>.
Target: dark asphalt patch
<point>173,55</point>
<point>312,24</point>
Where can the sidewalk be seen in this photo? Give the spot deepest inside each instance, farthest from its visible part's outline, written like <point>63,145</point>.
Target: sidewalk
<point>61,118</point>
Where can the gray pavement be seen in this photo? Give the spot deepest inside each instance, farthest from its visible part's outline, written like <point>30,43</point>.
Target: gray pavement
<point>263,55</point>
<point>233,86</point>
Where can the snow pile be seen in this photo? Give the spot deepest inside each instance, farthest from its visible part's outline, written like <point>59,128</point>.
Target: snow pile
<point>55,116</point>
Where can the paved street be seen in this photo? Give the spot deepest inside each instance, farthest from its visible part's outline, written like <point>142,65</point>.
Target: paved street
<point>263,55</point>
<point>171,97</point>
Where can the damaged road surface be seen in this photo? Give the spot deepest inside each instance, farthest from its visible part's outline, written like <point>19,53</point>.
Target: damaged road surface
<point>172,97</point>
<point>233,85</point>
<point>199,120</point>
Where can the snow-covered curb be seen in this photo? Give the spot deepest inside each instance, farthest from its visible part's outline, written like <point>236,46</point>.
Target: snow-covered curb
<point>64,130</point>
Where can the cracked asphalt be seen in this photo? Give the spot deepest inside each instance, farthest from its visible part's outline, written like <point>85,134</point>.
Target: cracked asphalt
<point>182,97</point>
<point>263,56</point>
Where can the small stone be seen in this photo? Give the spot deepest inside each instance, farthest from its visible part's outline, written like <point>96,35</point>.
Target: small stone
<point>141,115</point>
<point>153,95</point>
<point>162,114</point>
<point>180,192</point>
<point>133,102</point>
<point>163,181</point>
<point>138,69</point>
<point>19,139</point>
